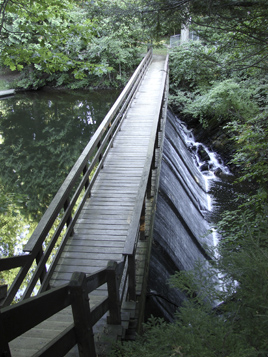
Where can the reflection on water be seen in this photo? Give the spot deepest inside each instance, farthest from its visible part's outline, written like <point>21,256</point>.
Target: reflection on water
<point>41,136</point>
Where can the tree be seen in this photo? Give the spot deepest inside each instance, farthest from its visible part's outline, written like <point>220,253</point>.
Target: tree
<point>67,43</point>
<point>46,41</point>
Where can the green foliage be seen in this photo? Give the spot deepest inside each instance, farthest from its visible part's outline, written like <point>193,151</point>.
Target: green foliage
<point>12,230</point>
<point>194,66</point>
<point>46,41</point>
<point>226,100</point>
<point>63,43</point>
<point>11,223</point>
<point>251,154</point>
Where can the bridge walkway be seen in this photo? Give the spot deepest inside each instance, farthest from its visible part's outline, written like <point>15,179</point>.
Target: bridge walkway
<point>102,228</point>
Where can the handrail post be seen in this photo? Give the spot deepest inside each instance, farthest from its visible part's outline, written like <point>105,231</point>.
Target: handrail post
<point>4,347</point>
<point>81,315</point>
<point>113,282</point>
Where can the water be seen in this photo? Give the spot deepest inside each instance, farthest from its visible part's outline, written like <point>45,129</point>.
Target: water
<point>182,229</point>
<point>41,136</point>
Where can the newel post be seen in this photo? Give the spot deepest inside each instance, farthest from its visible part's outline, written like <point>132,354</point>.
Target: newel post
<point>113,282</point>
<point>81,315</point>
<point>4,347</point>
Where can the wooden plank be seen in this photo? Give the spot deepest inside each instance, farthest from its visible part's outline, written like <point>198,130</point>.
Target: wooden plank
<point>89,268</point>
<point>119,219</point>
<point>84,259</point>
<point>112,248</point>
<point>67,273</point>
<point>100,214</point>
<point>98,235</point>
<point>102,232</point>
<point>93,246</point>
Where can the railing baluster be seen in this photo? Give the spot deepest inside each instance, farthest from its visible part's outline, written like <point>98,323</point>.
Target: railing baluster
<point>38,259</point>
<point>81,315</point>
<point>69,219</point>
<point>84,172</point>
<point>98,146</point>
<point>65,206</point>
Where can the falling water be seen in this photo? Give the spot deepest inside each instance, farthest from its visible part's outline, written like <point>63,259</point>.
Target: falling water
<point>181,231</point>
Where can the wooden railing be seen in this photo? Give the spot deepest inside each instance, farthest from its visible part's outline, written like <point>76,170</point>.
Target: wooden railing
<point>17,319</point>
<point>120,277</point>
<point>69,200</point>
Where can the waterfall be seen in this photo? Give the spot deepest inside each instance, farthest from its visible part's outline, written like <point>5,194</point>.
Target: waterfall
<point>181,231</point>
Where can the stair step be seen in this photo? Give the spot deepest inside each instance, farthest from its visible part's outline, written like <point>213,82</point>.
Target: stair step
<point>130,307</point>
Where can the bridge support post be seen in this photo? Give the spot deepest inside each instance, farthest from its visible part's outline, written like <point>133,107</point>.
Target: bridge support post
<point>113,282</point>
<point>81,315</point>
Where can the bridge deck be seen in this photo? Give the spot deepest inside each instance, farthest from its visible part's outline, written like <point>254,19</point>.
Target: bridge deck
<point>101,231</point>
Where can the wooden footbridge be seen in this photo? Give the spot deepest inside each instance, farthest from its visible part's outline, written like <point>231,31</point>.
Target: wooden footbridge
<point>89,254</point>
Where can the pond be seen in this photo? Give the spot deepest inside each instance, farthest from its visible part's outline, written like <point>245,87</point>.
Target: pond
<point>42,134</point>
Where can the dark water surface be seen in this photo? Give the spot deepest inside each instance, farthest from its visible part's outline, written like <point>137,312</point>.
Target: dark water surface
<point>41,136</point>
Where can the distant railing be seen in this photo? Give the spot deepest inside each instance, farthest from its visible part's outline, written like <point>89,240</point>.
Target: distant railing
<point>69,200</point>
<point>176,39</point>
<point>119,276</point>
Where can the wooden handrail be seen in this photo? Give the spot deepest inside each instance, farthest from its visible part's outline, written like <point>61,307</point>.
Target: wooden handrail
<point>14,262</point>
<point>23,316</point>
<point>134,225</point>
<point>97,148</point>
